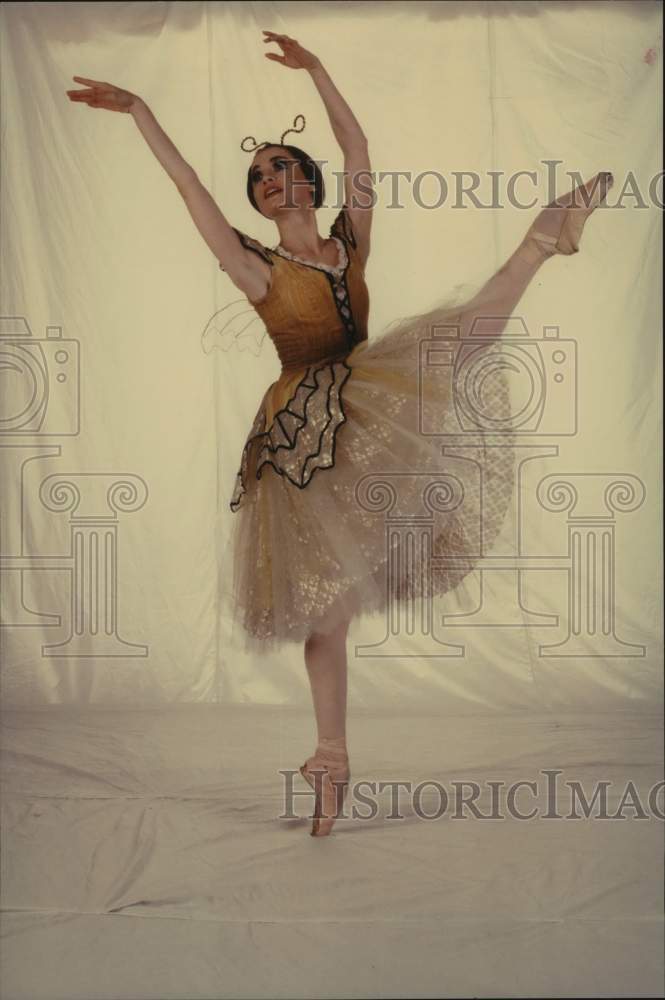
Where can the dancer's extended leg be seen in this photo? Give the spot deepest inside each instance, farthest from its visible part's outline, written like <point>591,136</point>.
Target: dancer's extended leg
<point>498,297</point>
<point>557,229</point>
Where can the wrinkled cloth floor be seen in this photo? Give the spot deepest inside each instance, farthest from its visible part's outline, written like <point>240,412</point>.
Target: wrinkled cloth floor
<point>143,857</point>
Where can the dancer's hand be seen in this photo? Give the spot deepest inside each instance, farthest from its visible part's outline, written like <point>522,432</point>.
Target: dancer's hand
<point>295,56</point>
<point>103,95</point>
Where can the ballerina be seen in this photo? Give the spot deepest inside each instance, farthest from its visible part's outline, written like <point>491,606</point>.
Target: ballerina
<point>305,555</point>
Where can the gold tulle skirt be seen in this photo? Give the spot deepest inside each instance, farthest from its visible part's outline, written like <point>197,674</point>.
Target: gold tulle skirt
<point>369,480</point>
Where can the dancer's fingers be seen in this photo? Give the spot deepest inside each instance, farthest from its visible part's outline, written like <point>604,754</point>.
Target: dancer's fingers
<point>91,83</point>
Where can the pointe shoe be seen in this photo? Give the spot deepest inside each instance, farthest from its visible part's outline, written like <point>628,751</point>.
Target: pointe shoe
<point>578,204</point>
<point>327,771</point>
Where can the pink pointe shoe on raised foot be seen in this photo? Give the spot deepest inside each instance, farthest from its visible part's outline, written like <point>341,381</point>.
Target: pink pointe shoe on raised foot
<point>558,228</point>
<point>327,771</point>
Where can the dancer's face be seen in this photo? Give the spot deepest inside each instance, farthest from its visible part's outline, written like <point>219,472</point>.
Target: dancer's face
<point>278,182</point>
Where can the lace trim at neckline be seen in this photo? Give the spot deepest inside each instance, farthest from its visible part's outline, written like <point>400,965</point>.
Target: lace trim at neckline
<point>337,270</point>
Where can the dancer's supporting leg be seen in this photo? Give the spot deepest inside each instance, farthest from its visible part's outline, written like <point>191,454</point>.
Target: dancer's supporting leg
<point>326,661</point>
<point>328,769</point>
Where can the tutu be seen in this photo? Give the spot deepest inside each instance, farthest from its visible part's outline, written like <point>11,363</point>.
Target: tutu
<point>375,473</point>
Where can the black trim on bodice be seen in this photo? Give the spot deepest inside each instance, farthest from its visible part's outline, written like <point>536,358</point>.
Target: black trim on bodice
<point>251,244</point>
<point>340,293</point>
<point>342,227</point>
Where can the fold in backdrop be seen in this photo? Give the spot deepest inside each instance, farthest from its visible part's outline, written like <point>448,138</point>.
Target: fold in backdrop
<point>127,399</point>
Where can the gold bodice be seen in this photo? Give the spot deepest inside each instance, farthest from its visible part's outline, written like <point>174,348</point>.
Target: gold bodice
<point>316,316</point>
<point>313,312</point>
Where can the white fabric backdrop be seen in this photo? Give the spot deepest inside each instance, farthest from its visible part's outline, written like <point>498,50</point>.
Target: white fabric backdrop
<point>98,243</point>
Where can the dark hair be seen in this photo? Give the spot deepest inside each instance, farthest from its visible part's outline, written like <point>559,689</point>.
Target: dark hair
<point>309,168</point>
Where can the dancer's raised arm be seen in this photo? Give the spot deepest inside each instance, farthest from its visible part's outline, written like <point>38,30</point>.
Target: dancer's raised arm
<point>237,261</point>
<point>346,128</point>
